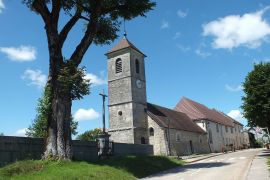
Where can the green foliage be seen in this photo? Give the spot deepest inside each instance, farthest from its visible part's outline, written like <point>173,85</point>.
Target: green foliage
<point>72,80</point>
<point>90,135</point>
<point>108,19</point>
<point>38,128</point>
<point>122,168</point>
<point>21,167</point>
<point>258,144</point>
<point>256,101</point>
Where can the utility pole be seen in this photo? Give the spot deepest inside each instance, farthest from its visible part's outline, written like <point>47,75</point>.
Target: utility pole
<point>103,95</point>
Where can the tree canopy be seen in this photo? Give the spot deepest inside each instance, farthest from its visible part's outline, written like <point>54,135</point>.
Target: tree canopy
<point>90,135</point>
<point>256,101</point>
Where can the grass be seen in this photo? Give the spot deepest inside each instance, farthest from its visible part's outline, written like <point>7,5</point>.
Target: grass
<point>268,162</point>
<point>129,167</point>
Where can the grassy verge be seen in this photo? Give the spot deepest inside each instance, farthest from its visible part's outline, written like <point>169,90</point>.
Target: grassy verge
<point>130,167</point>
<point>268,162</point>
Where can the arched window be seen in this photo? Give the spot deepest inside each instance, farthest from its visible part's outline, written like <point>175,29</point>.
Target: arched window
<point>137,66</point>
<point>118,65</point>
<point>151,131</point>
<point>143,140</point>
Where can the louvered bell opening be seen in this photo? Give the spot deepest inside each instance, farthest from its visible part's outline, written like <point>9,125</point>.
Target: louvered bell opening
<point>118,66</point>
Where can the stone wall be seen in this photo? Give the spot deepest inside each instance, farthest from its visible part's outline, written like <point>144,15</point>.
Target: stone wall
<point>186,143</point>
<point>20,148</point>
<point>122,149</point>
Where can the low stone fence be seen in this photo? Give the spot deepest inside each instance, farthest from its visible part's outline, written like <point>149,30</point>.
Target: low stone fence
<point>121,149</point>
<point>19,148</point>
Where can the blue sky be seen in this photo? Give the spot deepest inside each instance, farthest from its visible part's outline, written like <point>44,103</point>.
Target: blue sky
<point>200,50</point>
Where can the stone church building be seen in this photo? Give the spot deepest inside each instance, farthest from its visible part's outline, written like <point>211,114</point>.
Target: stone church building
<point>133,120</point>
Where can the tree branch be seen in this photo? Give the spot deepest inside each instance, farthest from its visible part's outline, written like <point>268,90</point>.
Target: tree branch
<point>56,7</point>
<point>86,41</point>
<point>88,37</point>
<point>41,7</point>
<point>85,18</point>
<point>69,25</point>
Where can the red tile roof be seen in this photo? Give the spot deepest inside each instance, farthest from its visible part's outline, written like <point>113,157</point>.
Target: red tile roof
<point>197,111</point>
<point>123,44</point>
<point>165,117</point>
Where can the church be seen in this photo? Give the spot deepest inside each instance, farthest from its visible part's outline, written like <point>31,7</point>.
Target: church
<point>133,120</point>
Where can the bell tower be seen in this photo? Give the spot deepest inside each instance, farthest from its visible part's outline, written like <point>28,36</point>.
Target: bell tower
<point>127,94</point>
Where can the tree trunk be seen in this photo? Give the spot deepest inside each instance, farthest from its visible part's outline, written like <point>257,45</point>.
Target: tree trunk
<point>59,143</point>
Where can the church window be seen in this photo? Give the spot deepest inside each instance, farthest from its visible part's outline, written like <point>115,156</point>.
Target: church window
<point>177,137</point>
<point>118,65</point>
<point>120,113</point>
<point>137,66</point>
<point>151,131</point>
<point>143,140</point>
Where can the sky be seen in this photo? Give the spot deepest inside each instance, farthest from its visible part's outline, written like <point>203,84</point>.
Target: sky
<point>201,50</point>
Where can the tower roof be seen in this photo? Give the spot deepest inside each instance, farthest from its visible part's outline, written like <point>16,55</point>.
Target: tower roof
<point>123,44</point>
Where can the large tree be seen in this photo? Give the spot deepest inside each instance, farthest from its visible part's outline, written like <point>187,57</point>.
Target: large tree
<point>102,21</point>
<point>256,101</point>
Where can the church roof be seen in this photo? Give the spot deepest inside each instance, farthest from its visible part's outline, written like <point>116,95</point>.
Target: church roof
<point>124,44</point>
<point>165,117</point>
<point>197,111</point>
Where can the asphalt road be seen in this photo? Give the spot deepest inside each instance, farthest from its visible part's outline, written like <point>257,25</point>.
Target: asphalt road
<point>231,166</point>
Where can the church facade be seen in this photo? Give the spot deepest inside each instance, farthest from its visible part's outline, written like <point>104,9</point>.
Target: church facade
<point>135,121</point>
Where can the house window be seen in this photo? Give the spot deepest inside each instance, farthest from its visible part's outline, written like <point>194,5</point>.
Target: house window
<point>151,131</point>
<point>137,66</point>
<point>177,137</point>
<point>226,129</point>
<point>231,130</point>
<point>143,140</point>
<point>210,137</point>
<point>217,128</point>
<point>118,65</point>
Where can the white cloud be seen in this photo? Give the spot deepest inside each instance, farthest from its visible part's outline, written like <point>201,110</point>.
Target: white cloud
<point>177,35</point>
<point>164,25</point>
<point>236,114</point>
<point>234,88</point>
<point>229,32</point>
<point>95,80</point>
<point>183,48</point>
<point>20,132</point>
<point>86,114</point>
<point>35,77</point>
<point>201,53</point>
<point>2,6</point>
<point>20,54</point>
<point>181,13</point>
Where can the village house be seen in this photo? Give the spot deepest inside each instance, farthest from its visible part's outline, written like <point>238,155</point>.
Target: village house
<point>189,128</point>
<point>224,133</point>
